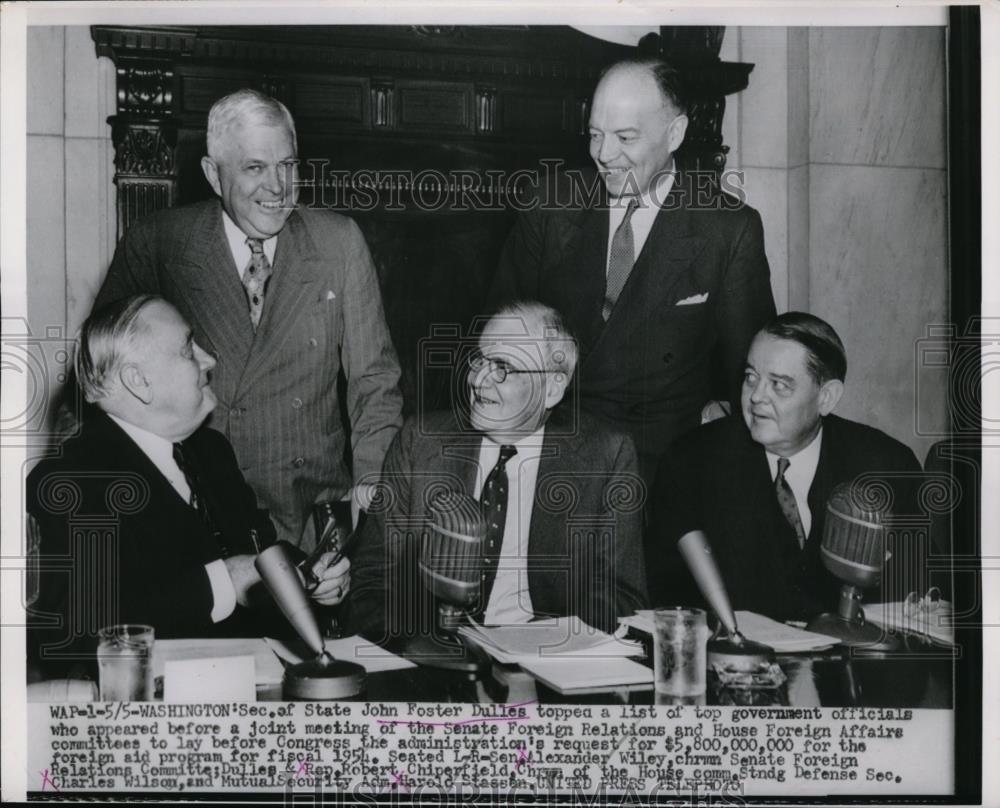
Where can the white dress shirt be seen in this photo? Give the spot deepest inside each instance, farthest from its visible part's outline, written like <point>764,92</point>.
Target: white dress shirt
<point>238,245</point>
<point>160,451</point>
<point>799,476</point>
<point>510,601</point>
<point>642,218</point>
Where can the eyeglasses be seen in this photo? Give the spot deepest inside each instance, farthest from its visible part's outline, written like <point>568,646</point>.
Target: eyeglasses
<point>499,369</point>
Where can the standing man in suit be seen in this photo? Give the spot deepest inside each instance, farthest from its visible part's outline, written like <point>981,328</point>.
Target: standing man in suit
<point>660,275</point>
<point>145,517</point>
<point>568,541</point>
<point>285,299</point>
<point>758,483</point>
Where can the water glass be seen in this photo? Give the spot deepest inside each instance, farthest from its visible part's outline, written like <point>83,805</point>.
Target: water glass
<point>680,661</point>
<point>125,662</point>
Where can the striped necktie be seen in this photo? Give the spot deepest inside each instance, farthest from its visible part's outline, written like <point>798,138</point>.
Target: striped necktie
<point>786,499</point>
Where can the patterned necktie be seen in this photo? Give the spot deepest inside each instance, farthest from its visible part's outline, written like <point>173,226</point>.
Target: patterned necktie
<point>494,505</point>
<point>786,500</point>
<point>255,279</point>
<point>621,260</point>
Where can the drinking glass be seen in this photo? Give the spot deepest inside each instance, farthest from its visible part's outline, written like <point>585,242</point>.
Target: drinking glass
<point>680,640</point>
<point>125,662</point>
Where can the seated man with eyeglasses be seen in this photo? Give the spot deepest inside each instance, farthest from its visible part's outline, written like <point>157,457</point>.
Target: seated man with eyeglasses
<point>560,494</point>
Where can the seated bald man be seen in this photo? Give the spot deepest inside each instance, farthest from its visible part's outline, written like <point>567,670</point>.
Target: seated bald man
<point>145,516</point>
<point>565,543</point>
<point>757,483</point>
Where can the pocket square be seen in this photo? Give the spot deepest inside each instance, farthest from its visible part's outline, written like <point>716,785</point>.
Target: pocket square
<point>694,300</point>
<point>329,294</point>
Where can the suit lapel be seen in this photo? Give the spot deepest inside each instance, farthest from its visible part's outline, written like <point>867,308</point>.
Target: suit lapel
<point>209,282</point>
<point>665,256</point>
<point>297,268</point>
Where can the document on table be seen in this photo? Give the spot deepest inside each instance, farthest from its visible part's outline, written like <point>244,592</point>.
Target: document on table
<point>936,622</point>
<point>568,676</point>
<point>783,638</point>
<point>561,637</point>
<point>267,667</point>
<point>350,649</point>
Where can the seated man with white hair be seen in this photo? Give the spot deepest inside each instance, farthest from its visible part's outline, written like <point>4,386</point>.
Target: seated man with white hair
<point>145,516</point>
<point>560,494</point>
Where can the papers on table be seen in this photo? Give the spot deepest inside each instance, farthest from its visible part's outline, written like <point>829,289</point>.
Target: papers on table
<point>350,649</point>
<point>561,637</point>
<point>936,621</point>
<point>784,639</point>
<point>568,676</point>
<point>267,667</point>
<point>564,653</point>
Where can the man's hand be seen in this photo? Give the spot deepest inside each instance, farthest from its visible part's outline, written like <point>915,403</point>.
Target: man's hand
<point>334,582</point>
<point>243,574</point>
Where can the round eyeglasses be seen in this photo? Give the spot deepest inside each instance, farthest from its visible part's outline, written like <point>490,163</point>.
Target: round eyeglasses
<point>499,369</point>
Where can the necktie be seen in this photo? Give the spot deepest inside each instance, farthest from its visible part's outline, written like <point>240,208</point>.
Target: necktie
<point>494,505</point>
<point>786,499</point>
<point>197,501</point>
<point>255,279</point>
<point>621,260</point>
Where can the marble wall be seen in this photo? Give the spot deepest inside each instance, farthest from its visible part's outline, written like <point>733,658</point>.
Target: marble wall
<point>842,140</point>
<point>71,217</point>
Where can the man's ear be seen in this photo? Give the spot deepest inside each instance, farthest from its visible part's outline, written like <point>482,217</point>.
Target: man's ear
<point>135,381</point>
<point>829,395</point>
<point>555,388</point>
<point>676,131</point>
<point>211,172</point>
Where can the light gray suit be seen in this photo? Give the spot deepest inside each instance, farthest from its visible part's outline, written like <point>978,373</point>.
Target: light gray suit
<point>277,388</point>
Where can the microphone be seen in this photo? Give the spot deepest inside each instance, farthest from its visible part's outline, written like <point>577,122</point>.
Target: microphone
<point>733,652</point>
<point>320,678</point>
<point>451,565</point>
<point>853,550</point>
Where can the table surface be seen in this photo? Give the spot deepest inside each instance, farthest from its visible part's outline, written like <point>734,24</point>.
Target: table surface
<point>919,677</point>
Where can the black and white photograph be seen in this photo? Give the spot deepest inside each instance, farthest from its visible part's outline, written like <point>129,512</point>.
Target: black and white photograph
<point>418,405</point>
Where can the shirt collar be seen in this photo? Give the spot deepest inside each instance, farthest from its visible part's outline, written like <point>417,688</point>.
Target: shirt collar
<point>802,465</point>
<point>653,199</point>
<point>237,240</point>
<point>156,448</point>
<point>528,447</point>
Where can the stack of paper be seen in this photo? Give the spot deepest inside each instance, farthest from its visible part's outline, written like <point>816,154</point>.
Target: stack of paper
<point>784,639</point>
<point>562,637</point>
<point>938,622</point>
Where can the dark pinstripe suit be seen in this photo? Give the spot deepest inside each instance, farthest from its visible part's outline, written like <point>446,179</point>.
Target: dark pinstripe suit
<point>277,389</point>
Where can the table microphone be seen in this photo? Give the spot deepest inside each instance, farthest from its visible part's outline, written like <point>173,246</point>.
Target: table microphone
<point>451,565</point>
<point>320,678</point>
<point>853,550</point>
<point>734,651</point>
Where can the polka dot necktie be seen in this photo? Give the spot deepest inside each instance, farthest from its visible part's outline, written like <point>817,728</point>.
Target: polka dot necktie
<point>494,506</point>
<point>255,279</point>
<point>621,260</point>
<point>786,499</point>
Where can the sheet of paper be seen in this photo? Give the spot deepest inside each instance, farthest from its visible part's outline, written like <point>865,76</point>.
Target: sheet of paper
<point>351,649</point>
<point>938,623</point>
<point>568,675</point>
<point>540,639</point>
<point>211,680</point>
<point>268,669</point>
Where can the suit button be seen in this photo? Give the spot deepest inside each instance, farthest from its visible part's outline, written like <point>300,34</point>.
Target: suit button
<point>313,342</point>
<point>234,412</point>
<point>299,462</point>
<point>296,402</point>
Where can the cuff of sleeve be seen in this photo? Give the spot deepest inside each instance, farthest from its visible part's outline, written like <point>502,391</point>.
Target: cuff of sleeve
<point>223,593</point>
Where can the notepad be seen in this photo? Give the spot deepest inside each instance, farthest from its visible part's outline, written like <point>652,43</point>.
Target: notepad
<point>267,667</point>
<point>937,623</point>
